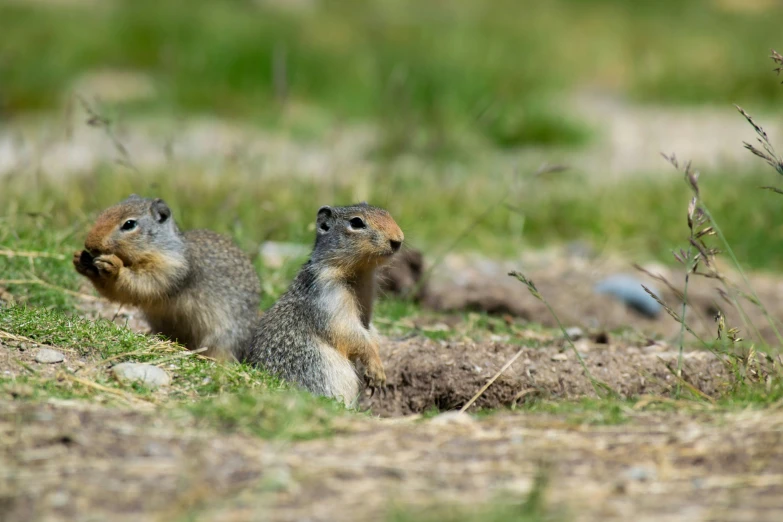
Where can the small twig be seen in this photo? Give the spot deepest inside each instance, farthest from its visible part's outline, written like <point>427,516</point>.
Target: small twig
<point>25,366</point>
<point>280,73</point>
<point>523,393</point>
<point>97,120</point>
<point>678,294</point>
<point>117,313</point>
<point>102,362</point>
<point>22,253</point>
<point>84,382</point>
<point>646,400</point>
<point>688,385</point>
<point>493,379</point>
<point>43,283</point>
<point>14,337</point>
<point>182,355</point>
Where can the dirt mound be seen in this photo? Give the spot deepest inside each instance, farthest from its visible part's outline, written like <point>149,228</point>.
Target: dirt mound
<point>424,374</point>
<point>567,278</point>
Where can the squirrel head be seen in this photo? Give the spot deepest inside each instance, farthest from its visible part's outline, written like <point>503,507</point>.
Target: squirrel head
<point>135,230</point>
<point>356,236</point>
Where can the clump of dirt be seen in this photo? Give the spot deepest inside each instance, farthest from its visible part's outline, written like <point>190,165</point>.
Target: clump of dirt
<point>423,374</point>
<point>402,276</point>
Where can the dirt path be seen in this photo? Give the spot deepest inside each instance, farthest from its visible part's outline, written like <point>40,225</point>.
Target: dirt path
<point>62,461</point>
<point>628,140</point>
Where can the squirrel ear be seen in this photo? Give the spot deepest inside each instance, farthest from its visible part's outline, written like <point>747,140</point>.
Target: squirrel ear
<point>324,220</point>
<point>160,211</point>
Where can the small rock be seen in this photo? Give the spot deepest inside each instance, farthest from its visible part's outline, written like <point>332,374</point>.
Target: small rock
<point>583,345</point>
<point>559,357</point>
<point>629,290</point>
<point>453,417</point>
<point>574,333</point>
<point>47,356</point>
<point>59,499</point>
<point>640,473</point>
<point>146,374</point>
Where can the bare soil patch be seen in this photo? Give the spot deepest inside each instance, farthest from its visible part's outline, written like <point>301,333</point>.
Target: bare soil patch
<point>63,461</point>
<point>424,374</point>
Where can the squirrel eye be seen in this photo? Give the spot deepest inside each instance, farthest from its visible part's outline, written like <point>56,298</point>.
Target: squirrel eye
<point>357,222</point>
<point>129,225</point>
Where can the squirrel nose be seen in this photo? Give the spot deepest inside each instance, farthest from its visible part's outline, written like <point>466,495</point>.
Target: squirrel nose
<point>395,245</point>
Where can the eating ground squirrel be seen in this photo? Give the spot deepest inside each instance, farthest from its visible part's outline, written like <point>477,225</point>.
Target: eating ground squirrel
<point>321,325</point>
<point>196,287</point>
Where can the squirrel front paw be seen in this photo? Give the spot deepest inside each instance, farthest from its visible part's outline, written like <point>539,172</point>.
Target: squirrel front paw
<point>108,265</point>
<point>375,378</point>
<point>83,263</point>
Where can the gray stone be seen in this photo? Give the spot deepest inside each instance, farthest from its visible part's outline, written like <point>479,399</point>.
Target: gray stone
<point>47,356</point>
<point>574,333</point>
<point>628,289</point>
<point>146,374</point>
<point>640,473</point>
<point>559,357</point>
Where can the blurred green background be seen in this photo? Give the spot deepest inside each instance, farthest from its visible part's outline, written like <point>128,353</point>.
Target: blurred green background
<point>463,100</point>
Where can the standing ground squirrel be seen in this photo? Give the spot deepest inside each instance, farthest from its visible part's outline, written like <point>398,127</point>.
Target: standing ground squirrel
<point>195,287</point>
<point>322,323</point>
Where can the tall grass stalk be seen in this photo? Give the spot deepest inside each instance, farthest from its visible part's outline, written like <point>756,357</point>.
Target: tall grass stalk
<point>595,383</point>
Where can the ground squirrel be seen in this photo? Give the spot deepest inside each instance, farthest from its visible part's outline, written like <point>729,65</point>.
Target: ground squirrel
<point>195,287</point>
<point>322,324</point>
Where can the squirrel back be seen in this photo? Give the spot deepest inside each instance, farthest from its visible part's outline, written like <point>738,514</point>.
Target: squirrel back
<point>195,287</point>
<point>322,325</point>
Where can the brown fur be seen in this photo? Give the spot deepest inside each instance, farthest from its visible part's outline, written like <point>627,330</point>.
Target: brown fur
<point>196,287</point>
<point>323,323</point>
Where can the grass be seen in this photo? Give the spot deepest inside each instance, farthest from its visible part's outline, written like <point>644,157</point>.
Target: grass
<point>426,71</point>
<point>638,217</point>
<point>234,398</point>
<point>430,74</point>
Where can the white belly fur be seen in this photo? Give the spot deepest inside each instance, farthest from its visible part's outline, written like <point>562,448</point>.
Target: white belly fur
<point>342,382</point>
